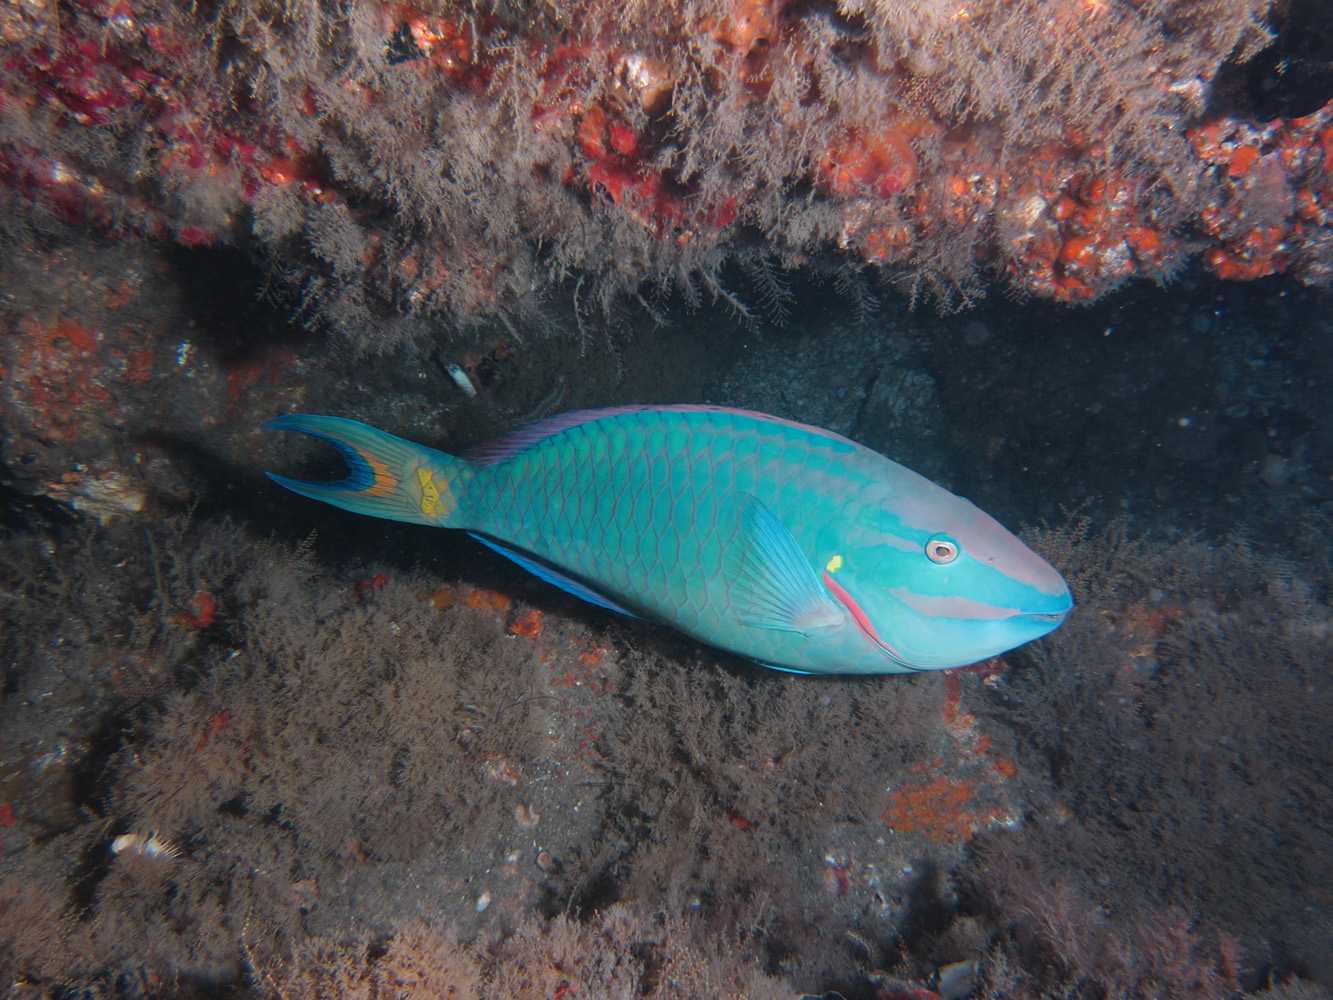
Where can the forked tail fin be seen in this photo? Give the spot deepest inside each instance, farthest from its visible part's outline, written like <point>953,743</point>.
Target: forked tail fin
<point>386,476</point>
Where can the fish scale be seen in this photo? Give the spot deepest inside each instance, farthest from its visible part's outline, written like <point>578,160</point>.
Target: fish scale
<point>635,549</point>
<point>783,542</point>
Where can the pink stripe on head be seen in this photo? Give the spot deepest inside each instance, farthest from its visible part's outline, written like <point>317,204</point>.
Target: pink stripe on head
<point>950,606</point>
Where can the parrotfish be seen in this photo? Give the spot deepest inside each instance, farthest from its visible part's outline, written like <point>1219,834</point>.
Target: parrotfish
<point>787,544</point>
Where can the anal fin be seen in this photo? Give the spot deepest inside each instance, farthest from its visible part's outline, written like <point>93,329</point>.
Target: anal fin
<point>552,576</point>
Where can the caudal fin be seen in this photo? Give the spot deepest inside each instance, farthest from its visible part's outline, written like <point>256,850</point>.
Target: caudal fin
<point>386,476</point>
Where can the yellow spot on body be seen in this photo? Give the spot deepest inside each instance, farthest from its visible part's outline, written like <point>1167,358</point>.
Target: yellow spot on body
<point>834,565</point>
<point>437,500</point>
<point>430,496</point>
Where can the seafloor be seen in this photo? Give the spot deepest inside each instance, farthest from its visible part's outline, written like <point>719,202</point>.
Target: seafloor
<point>253,746</point>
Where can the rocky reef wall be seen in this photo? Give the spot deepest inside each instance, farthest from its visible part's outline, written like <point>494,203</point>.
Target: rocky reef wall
<point>400,164</point>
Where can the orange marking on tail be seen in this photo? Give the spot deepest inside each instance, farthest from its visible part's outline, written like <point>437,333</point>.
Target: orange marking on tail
<point>386,483</point>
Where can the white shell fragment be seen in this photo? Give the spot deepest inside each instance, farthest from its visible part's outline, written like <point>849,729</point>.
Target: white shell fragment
<point>146,845</point>
<point>956,980</point>
<point>461,379</point>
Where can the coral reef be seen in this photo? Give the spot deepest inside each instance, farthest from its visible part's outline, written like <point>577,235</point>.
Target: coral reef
<point>381,764</point>
<point>402,163</point>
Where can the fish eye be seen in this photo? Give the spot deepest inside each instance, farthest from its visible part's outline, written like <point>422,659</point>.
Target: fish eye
<point>941,549</point>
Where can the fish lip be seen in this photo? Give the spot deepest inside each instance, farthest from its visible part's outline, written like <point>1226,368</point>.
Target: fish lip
<point>1062,604</point>
<point>1045,616</point>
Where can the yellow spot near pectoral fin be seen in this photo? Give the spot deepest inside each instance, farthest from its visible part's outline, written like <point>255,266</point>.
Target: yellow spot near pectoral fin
<point>834,565</point>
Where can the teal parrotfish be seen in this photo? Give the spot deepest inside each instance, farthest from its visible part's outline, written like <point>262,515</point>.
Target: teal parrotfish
<point>782,542</point>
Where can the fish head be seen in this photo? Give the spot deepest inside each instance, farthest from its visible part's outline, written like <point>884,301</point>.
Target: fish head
<point>934,582</point>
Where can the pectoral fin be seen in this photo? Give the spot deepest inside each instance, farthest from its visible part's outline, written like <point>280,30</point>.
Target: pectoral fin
<point>772,582</point>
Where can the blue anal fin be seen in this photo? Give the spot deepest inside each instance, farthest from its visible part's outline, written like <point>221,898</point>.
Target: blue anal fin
<point>789,670</point>
<point>568,584</point>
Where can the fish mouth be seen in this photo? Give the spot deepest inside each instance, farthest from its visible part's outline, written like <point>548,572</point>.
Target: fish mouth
<point>1054,617</point>
<point>1059,606</point>
<point>1035,624</point>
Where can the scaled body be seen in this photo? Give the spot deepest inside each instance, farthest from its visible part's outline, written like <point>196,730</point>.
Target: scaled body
<point>782,542</point>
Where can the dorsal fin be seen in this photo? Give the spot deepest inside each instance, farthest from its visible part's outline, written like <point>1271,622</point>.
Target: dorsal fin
<point>509,445</point>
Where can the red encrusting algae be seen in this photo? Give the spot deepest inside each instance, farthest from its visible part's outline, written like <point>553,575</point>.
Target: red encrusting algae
<point>941,809</point>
